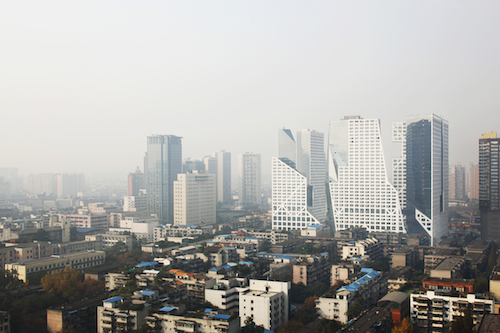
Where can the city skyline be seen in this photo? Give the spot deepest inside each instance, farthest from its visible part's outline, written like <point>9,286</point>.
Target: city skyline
<point>225,77</point>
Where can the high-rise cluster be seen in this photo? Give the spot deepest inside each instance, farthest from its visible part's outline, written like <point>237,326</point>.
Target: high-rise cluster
<point>354,175</point>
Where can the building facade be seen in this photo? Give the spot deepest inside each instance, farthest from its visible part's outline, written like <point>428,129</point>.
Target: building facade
<point>427,175</point>
<point>298,187</point>
<point>223,177</point>
<point>249,189</point>
<point>194,199</point>
<point>489,187</point>
<point>164,162</point>
<point>361,194</point>
<point>457,182</point>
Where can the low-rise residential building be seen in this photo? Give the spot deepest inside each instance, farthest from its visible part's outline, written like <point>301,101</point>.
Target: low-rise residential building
<point>164,231</point>
<point>225,294</point>
<point>118,315</point>
<point>316,230</point>
<point>4,322</point>
<point>450,268</point>
<point>371,287</point>
<point>109,240</point>
<point>452,286</point>
<point>80,261</point>
<point>341,273</point>
<point>80,316</point>
<point>115,281</point>
<point>167,320</point>
<point>398,277</point>
<point>431,310</point>
<point>369,247</point>
<point>223,256</point>
<point>267,302</point>
<point>404,256</point>
<point>89,220</point>
<point>195,284</point>
<point>273,236</point>
<point>141,226</point>
<point>389,237</point>
<point>315,268</point>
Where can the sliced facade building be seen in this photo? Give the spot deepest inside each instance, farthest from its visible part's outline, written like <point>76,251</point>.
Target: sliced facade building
<point>360,192</point>
<point>298,181</point>
<point>423,174</point>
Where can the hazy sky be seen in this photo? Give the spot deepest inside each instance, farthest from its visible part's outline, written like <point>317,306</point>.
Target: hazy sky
<point>82,83</point>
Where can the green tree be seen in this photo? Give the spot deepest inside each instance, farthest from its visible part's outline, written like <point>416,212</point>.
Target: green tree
<point>356,308</point>
<point>265,245</point>
<point>307,312</point>
<point>462,324</point>
<point>250,327</point>
<point>66,284</point>
<point>291,326</point>
<point>328,326</point>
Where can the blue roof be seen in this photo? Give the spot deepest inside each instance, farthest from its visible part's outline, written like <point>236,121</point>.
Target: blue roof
<point>207,310</point>
<point>228,248</point>
<point>284,257</point>
<point>113,299</point>
<point>147,264</point>
<point>215,269</point>
<point>221,316</point>
<point>147,293</point>
<point>366,270</point>
<point>315,225</point>
<point>251,238</point>
<point>166,309</point>
<point>248,263</point>
<point>223,236</point>
<point>227,267</point>
<point>85,229</point>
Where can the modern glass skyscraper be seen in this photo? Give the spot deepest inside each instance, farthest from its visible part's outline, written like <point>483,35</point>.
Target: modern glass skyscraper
<point>360,192</point>
<point>427,174</point>
<point>164,162</point>
<point>298,175</point>
<point>489,186</point>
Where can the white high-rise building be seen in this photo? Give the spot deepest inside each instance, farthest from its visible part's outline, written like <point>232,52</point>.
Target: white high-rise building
<point>249,191</point>
<point>223,178</point>
<point>194,198</point>
<point>361,194</point>
<point>298,188</point>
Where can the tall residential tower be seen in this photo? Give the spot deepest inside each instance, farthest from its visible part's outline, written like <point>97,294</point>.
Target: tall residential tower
<point>489,187</point>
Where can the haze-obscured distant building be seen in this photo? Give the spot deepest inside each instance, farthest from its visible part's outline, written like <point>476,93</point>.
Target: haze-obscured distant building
<point>194,199</point>
<point>164,163</point>
<point>249,193</point>
<point>223,178</point>
<point>457,182</point>
<point>136,182</point>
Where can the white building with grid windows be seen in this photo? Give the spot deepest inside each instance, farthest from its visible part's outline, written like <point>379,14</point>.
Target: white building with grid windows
<point>361,194</point>
<point>298,188</point>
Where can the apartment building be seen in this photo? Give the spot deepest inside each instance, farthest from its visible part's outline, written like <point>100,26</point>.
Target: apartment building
<point>315,268</point>
<point>109,240</point>
<point>225,293</point>
<point>116,315</point>
<point>431,310</point>
<point>79,261</point>
<point>266,302</point>
<point>166,320</point>
<point>371,287</point>
<point>369,247</point>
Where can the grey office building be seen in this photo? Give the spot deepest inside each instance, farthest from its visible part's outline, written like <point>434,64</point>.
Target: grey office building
<point>164,162</point>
